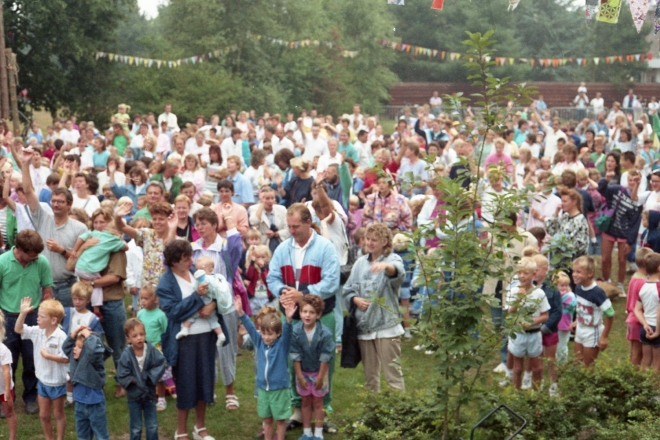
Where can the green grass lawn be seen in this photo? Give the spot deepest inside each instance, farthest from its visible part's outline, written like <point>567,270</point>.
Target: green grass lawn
<point>244,422</point>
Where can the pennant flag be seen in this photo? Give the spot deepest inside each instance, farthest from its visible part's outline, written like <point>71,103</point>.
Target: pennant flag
<point>531,62</point>
<point>638,9</point>
<point>609,11</point>
<point>596,59</point>
<point>437,4</point>
<point>130,60</point>
<point>591,10</point>
<point>396,2</point>
<point>513,4</point>
<point>111,56</point>
<point>158,63</point>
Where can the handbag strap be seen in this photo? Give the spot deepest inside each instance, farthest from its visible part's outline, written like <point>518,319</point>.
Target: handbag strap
<point>27,210</point>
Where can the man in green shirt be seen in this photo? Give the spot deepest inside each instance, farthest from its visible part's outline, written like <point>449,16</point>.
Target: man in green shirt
<point>169,178</point>
<point>24,273</point>
<point>347,149</point>
<point>155,194</point>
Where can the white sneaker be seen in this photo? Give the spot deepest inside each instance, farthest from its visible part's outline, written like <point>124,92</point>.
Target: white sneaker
<point>505,382</point>
<point>429,352</point>
<point>553,390</point>
<point>418,347</point>
<point>501,368</point>
<point>526,383</point>
<point>221,340</point>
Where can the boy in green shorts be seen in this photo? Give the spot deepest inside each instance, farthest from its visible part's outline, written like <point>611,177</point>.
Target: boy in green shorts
<point>272,346</point>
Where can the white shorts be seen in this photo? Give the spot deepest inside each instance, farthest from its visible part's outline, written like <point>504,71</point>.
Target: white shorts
<point>526,344</point>
<point>588,336</point>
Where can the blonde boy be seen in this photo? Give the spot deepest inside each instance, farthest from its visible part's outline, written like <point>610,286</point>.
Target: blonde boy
<point>534,305</point>
<point>594,312</point>
<point>50,362</point>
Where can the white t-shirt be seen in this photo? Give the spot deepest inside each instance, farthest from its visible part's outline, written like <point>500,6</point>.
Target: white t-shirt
<point>649,296</point>
<point>314,147</point>
<point>79,320</point>
<point>5,359</point>
<point>90,204</point>
<point>256,178</point>
<point>535,302</point>
<point>325,161</point>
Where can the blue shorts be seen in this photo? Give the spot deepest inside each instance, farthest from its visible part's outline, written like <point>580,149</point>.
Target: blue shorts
<point>51,393</point>
<point>655,343</point>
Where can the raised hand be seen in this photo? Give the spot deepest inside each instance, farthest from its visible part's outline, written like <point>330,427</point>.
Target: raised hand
<point>238,305</point>
<point>26,305</point>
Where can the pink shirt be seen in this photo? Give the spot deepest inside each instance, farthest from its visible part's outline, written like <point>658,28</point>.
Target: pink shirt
<point>634,287</point>
<point>498,160</point>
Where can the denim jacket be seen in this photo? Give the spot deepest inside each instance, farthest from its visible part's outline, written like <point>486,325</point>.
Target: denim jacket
<point>140,386</point>
<point>311,356</point>
<point>89,368</point>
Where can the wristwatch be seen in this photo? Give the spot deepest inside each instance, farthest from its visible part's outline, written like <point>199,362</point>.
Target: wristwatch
<point>63,252</point>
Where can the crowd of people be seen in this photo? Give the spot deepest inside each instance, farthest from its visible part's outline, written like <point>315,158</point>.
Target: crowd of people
<point>289,222</point>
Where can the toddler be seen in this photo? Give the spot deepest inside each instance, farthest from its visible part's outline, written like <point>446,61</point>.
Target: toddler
<point>218,291</point>
<point>255,276</point>
<point>355,212</point>
<point>272,345</point>
<point>139,370</point>
<point>90,261</point>
<point>50,362</point>
<point>79,316</point>
<point>312,347</point>
<point>633,327</point>
<point>155,324</point>
<point>7,383</point>
<point>568,303</point>
<point>87,356</point>
<point>594,312</point>
<point>252,238</point>
<point>647,310</point>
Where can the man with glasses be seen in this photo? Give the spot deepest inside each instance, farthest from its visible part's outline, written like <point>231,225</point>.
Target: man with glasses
<point>58,231</point>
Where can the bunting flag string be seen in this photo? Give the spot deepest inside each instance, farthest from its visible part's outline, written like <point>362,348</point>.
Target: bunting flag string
<point>148,62</point>
<point>432,54</point>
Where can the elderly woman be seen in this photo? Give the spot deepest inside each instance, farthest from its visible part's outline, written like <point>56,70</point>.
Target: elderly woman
<point>185,226</point>
<point>380,273</point>
<point>226,254</point>
<point>193,173</point>
<point>192,358</point>
<point>388,207</point>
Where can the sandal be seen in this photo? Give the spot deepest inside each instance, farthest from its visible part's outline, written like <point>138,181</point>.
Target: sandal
<point>176,436</point>
<point>196,435</point>
<point>231,400</point>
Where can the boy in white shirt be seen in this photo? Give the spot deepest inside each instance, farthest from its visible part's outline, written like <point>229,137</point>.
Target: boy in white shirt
<point>647,310</point>
<point>50,362</point>
<point>531,301</point>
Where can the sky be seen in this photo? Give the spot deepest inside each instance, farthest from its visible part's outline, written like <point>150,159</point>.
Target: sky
<point>149,7</point>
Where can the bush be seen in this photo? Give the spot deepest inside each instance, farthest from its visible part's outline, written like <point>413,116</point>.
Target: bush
<point>600,403</point>
<point>393,416</point>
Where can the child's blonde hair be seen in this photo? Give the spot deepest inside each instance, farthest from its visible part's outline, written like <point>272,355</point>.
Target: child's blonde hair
<point>526,264</point>
<point>82,290</point>
<point>150,289</point>
<point>270,323</point>
<point>561,276</point>
<point>354,200</point>
<point>132,323</point>
<point>252,234</point>
<point>53,308</point>
<point>540,260</point>
<point>400,242</point>
<point>530,251</point>
<point>203,261</point>
<point>261,249</point>
<point>587,263</point>
<point>265,310</point>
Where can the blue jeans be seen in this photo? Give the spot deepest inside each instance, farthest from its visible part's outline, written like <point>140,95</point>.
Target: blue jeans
<point>135,411</point>
<point>62,291</point>
<point>114,318</point>
<point>24,349</point>
<point>91,421</point>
